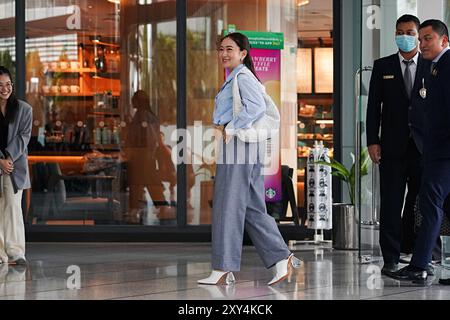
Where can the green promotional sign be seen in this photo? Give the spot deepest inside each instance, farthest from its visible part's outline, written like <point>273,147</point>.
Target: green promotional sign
<point>261,40</point>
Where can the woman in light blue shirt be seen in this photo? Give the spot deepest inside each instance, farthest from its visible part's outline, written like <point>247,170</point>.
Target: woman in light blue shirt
<point>239,200</point>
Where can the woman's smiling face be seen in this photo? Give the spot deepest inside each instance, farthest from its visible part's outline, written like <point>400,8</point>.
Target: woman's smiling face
<point>230,55</point>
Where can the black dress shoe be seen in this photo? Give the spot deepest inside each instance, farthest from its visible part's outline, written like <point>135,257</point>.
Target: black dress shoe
<point>445,282</point>
<point>430,270</point>
<point>410,274</point>
<point>389,267</point>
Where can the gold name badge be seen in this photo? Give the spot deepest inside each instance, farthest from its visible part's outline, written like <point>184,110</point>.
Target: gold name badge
<point>388,77</point>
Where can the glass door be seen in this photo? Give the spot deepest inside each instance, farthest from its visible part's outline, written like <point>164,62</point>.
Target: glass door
<point>377,40</point>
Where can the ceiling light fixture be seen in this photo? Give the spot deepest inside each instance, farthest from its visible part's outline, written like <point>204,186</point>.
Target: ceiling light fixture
<point>114,1</point>
<point>324,122</point>
<point>299,3</point>
<point>95,39</point>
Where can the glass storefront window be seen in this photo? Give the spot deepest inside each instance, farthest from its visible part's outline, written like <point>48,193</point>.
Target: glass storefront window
<point>206,24</point>
<point>204,28</point>
<point>314,85</point>
<point>99,76</point>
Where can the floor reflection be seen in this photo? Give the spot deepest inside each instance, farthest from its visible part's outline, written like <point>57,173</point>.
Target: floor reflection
<point>170,271</point>
<point>13,280</point>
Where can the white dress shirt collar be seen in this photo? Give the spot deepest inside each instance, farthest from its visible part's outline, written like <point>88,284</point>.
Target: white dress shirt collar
<point>415,58</point>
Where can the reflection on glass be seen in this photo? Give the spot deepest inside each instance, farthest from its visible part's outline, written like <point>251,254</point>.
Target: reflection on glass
<point>314,86</point>
<point>445,243</point>
<point>205,26</point>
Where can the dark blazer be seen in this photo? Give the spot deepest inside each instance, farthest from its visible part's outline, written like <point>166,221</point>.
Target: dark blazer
<point>389,105</point>
<point>416,114</point>
<point>437,112</point>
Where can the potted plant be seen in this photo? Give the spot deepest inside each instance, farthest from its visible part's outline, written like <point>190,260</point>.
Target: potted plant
<point>345,225</point>
<point>348,175</point>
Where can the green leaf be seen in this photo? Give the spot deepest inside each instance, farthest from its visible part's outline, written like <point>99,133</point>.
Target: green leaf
<point>339,175</point>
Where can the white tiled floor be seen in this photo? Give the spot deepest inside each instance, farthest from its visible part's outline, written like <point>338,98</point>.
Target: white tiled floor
<point>139,271</point>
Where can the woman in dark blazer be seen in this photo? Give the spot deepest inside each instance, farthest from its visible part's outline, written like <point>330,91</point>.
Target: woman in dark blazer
<point>15,131</point>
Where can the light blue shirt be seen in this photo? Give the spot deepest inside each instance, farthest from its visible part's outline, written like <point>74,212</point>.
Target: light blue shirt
<point>253,104</point>
<point>436,60</point>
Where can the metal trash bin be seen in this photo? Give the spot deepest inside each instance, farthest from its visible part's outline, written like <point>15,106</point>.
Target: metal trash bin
<point>345,227</point>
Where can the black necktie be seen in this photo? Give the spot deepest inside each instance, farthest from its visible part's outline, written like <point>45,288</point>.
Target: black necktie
<point>407,77</point>
<point>433,65</point>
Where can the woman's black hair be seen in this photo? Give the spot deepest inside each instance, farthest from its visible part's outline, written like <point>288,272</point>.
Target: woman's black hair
<point>244,44</point>
<point>12,105</point>
<point>141,100</point>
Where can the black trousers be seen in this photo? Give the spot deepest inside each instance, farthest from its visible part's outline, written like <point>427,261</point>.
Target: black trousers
<point>397,229</point>
<point>433,193</point>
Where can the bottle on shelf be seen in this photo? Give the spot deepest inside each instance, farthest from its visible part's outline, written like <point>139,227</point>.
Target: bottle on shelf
<point>99,60</point>
<point>98,135</point>
<point>112,61</point>
<point>85,61</point>
<point>115,134</point>
<point>106,135</point>
<point>108,99</point>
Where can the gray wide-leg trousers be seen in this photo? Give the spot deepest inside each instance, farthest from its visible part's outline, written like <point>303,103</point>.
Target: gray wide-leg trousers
<point>238,203</point>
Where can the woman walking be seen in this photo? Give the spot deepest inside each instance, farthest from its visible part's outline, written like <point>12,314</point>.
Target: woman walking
<point>15,131</point>
<point>239,197</point>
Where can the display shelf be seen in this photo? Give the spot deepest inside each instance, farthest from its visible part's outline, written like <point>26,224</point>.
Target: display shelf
<point>80,94</point>
<point>106,75</point>
<point>77,91</point>
<point>80,70</point>
<point>108,146</point>
<point>315,139</point>
<point>315,123</point>
<point>105,111</point>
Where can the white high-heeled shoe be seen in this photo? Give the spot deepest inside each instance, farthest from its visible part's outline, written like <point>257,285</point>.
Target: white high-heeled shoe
<point>284,267</point>
<point>218,278</point>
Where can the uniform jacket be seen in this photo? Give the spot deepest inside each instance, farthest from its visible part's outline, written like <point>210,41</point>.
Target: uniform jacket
<point>436,139</point>
<point>389,106</point>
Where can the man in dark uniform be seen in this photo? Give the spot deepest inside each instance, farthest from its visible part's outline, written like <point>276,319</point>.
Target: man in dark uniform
<point>394,87</point>
<point>433,36</point>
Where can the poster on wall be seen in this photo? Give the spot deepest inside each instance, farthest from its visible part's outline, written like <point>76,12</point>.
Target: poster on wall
<point>266,55</point>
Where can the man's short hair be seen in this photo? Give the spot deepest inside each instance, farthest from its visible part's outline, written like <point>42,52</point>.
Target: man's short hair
<point>408,18</point>
<point>438,26</point>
